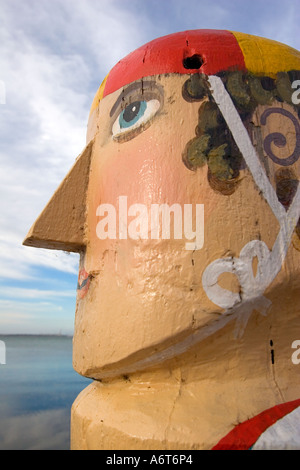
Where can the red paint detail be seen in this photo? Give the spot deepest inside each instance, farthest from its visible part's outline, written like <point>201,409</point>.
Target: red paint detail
<point>243,436</point>
<point>219,49</point>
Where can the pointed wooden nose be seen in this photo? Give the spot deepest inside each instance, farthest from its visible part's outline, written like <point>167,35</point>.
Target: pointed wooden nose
<point>61,225</point>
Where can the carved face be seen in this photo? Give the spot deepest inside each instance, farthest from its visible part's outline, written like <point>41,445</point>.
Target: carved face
<point>192,203</point>
<point>165,143</point>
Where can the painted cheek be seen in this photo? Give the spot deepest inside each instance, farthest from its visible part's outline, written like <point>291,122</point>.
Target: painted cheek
<point>147,170</point>
<point>150,170</point>
<point>143,173</point>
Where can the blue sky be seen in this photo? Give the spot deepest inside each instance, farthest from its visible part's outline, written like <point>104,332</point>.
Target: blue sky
<point>54,55</point>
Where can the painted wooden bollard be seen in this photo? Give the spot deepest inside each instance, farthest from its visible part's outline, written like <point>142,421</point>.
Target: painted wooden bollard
<point>184,207</point>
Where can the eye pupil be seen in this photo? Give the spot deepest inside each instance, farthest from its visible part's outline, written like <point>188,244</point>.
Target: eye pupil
<point>134,118</point>
<point>131,111</point>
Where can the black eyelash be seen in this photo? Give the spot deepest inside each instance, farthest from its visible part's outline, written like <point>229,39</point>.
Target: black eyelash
<point>140,89</point>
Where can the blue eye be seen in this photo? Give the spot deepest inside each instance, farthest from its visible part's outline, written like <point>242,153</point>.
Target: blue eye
<point>135,116</point>
<point>132,114</point>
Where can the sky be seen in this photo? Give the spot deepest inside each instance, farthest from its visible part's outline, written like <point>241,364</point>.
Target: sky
<point>54,55</point>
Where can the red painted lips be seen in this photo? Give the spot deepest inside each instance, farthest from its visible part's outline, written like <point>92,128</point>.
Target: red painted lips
<point>83,283</point>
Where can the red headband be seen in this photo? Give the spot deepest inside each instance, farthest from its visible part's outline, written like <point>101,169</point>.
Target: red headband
<point>167,55</point>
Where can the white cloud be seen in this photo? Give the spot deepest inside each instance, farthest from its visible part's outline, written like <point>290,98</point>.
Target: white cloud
<point>18,262</point>
<point>36,316</point>
<point>23,293</point>
<point>54,59</point>
<point>18,309</point>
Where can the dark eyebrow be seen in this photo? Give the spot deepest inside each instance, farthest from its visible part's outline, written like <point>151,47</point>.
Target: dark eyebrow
<point>132,87</point>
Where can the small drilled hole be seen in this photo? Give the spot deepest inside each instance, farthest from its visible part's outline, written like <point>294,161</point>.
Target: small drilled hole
<point>272,356</point>
<point>272,352</point>
<point>193,62</point>
<point>268,83</point>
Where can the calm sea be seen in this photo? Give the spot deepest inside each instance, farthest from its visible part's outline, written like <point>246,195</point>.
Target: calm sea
<point>37,388</point>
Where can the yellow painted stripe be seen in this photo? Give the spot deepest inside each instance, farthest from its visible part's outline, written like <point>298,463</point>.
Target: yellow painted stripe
<point>266,57</point>
<point>99,95</point>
